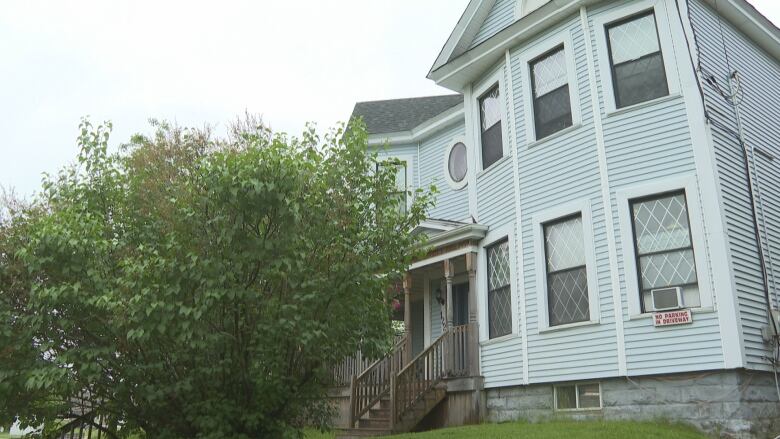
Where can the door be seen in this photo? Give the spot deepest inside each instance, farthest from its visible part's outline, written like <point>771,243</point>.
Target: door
<point>460,304</point>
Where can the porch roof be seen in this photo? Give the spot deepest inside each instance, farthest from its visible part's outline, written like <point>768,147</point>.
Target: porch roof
<point>447,239</point>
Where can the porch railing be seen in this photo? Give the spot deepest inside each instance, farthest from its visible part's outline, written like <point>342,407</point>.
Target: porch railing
<point>374,382</point>
<point>350,367</point>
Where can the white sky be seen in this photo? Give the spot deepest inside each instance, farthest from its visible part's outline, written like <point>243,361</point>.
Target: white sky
<point>197,62</point>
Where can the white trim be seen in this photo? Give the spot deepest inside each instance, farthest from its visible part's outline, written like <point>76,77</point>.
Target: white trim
<point>606,197</point>
<point>494,236</point>
<point>472,154</point>
<point>539,220</point>
<point>411,162</point>
<point>456,185</point>
<point>474,232</point>
<point>624,196</point>
<point>664,39</point>
<point>420,132</point>
<point>496,77</point>
<point>711,196</point>
<point>442,257</point>
<point>531,53</point>
<point>522,322</point>
<point>427,310</point>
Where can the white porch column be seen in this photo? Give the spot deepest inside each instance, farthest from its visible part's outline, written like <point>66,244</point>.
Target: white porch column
<point>449,273</point>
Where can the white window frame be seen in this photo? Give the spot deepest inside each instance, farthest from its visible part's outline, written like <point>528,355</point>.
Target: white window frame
<point>502,233</point>
<point>455,185</point>
<point>600,21</point>
<point>531,54</point>
<point>410,183</point>
<point>582,208</point>
<point>497,77</point>
<point>689,185</point>
<point>577,396</point>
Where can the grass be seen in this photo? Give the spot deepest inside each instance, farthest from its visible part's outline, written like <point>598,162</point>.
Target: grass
<point>553,430</point>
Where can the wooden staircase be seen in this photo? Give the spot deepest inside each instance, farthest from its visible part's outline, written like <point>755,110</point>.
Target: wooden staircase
<point>393,396</point>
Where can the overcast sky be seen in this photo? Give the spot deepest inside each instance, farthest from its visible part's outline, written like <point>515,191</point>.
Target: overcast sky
<point>197,62</point>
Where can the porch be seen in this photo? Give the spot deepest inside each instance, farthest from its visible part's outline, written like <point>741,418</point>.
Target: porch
<point>431,378</point>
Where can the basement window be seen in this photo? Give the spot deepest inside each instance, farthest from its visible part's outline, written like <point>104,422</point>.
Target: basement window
<point>577,397</point>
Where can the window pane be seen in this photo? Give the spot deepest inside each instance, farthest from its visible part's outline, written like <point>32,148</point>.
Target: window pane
<point>457,163</point>
<point>549,73</point>
<point>568,297</point>
<point>637,63</point>
<point>661,224</point>
<point>490,108</point>
<point>566,397</point>
<point>498,265</point>
<point>667,269</point>
<point>641,80</point>
<point>500,307</point>
<point>634,39</point>
<point>589,396</point>
<point>564,244</point>
<point>552,112</point>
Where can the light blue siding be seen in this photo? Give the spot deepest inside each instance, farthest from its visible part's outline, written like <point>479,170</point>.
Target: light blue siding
<point>502,363</point>
<point>760,112</point>
<point>501,15</point>
<point>436,317</point>
<point>450,204</point>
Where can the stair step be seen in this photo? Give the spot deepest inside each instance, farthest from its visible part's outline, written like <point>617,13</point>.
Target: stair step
<point>354,433</point>
<point>379,413</point>
<point>384,404</point>
<point>374,423</point>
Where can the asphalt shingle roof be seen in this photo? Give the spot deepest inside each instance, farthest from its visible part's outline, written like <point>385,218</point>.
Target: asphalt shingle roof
<point>397,115</point>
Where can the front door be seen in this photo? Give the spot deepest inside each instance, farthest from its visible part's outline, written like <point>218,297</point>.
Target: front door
<point>460,304</point>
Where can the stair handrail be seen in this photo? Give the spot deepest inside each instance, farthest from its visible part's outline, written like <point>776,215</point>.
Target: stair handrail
<point>373,383</point>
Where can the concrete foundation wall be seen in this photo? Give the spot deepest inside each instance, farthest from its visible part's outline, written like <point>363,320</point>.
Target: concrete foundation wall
<point>731,404</point>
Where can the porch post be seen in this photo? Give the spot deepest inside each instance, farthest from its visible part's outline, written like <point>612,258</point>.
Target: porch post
<point>449,273</point>
<point>471,267</point>
<point>408,315</point>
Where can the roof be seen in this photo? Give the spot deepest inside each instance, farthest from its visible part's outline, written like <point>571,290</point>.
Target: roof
<point>398,115</point>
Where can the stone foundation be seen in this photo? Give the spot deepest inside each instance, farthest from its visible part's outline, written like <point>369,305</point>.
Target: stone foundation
<point>729,404</point>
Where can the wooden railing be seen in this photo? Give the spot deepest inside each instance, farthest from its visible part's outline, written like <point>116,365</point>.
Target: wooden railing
<point>374,382</point>
<point>350,367</point>
<point>446,357</point>
<point>86,426</point>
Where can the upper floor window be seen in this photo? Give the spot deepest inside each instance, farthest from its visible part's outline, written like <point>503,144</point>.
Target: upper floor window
<point>567,278</point>
<point>457,162</point>
<point>499,290</point>
<point>638,72</point>
<point>401,185</point>
<point>664,250</point>
<point>490,126</point>
<point>551,102</point>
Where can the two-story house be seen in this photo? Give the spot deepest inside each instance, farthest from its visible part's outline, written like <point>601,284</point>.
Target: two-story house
<point>606,236</point>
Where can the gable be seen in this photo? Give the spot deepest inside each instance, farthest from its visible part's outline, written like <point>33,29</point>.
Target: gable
<point>501,15</point>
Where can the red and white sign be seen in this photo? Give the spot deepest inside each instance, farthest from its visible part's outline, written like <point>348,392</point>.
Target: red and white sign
<point>671,318</point>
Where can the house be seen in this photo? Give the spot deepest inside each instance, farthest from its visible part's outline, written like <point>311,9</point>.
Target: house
<point>606,237</point>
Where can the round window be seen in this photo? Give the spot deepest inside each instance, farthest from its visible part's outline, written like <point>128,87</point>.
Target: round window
<point>456,163</point>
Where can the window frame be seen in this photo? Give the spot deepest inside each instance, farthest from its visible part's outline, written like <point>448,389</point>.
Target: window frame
<point>508,286</point>
<point>560,212</point>
<point>410,184</point>
<point>663,30</point>
<point>637,256</point>
<point>456,185</point>
<point>577,397</point>
<point>688,185</point>
<point>503,233</point>
<point>535,52</point>
<point>477,92</point>
<point>549,273</point>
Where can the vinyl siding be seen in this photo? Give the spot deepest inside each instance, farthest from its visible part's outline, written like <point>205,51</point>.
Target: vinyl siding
<point>760,112</point>
<point>501,15</point>
<point>450,204</point>
<point>435,317</point>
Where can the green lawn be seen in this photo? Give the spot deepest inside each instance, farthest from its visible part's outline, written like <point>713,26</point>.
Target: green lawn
<point>553,430</point>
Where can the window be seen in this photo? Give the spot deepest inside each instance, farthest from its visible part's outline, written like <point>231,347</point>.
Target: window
<point>401,193</point>
<point>663,247</point>
<point>550,88</point>
<point>567,278</point>
<point>499,290</point>
<point>490,126</point>
<point>457,164</point>
<point>578,397</point>
<point>638,72</point>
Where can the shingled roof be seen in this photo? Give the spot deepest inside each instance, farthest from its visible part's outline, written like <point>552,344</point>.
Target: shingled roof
<point>398,115</point>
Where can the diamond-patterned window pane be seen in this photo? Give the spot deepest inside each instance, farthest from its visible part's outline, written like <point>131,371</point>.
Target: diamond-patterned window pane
<point>499,290</point>
<point>661,224</point>
<point>549,73</point>
<point>568,297</point>
<point>565,244</point>
<point>633,39</point>
<point>498,265</point>
<point>667,269</point>
<point>500,305</point>
<point>490,108</point>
